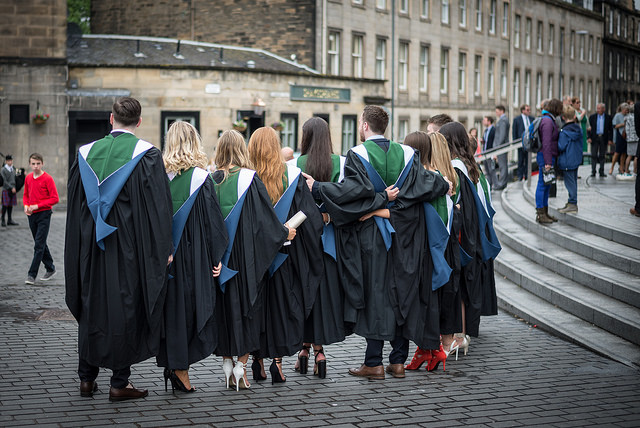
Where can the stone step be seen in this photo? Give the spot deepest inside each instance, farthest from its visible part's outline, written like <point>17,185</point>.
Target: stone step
<point>611,282</point>
<point>614,224</point>
<point>613,254</point>
<point>605,312</point>
<point>544,315</point>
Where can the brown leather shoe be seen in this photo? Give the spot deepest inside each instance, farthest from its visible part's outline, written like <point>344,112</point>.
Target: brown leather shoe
<point>116,394</point>
<point>88,388</point>
<point>369,372</point>
<point>396,370</point>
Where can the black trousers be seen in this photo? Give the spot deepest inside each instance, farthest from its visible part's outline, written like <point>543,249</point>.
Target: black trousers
<point>522,163</point>
<point>398,355</point>
<point>89,373</point>
<point>39,225</point>
<point>598,150</point>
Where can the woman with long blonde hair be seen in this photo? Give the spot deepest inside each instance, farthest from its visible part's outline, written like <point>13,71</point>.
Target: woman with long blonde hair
<point>200,239</point>
<point>256,234</point>
<point>294,278</point>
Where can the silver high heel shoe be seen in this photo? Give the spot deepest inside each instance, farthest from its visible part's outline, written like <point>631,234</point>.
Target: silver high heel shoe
<point>466,340</point>
<point>227,368</point>
<point>239,372</point>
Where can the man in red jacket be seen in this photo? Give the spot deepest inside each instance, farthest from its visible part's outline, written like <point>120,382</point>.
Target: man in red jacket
<point>40,194</point>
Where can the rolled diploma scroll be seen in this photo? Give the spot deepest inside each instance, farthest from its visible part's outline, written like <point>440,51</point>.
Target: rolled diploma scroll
<point>295,221</point>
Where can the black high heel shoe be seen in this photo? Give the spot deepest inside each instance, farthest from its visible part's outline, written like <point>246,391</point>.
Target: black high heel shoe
<point>320,368</point>
<point>274,369</point>
<point>176,383</point>
<point>167,375</point>
<point>256,368</point>
<point>303,360</point>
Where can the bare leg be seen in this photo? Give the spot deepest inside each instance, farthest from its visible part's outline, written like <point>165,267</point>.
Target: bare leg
<point>613,162</point>
<point>183,375</point>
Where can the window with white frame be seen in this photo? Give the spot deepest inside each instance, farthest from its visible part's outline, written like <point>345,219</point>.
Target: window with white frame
<point>462,72</point>
<point>462,16</point>
<point>288,133</point>
<point>516,87</point>
<point>572,86</point>
<point>527,34</point>
<point>516,32</point>
<point>589,94</point>
<point>425,9</point>
<point>590,49</point>
<point>477,75</point>
<point>403,7</point>
<point>572,44</point>
<point>625,27</point>
<point>598,50</point>
<point>424,68</point>
<point>444,71</point>
<point>491,76</point>
<point>582,38</point>
<point>356,55</point>
<point>610,21</point>
<point>610,68</point>
<point>527,87</point>
<point>505,19</point>
<point>552,36</point>
<point>492,17</point>
<point>403,128</point>
<point>550,86</point>
<point>539,38</point>
<point>381,58</point>
<point>349,132</point>
<point>597,93</point>
<point>538,88</point>
<point>581,90</point>
<point>503,79</point>
<point>618,69</point>
<point>618,24</point>
<point>333,53</point>
<point>381,4</point>
<point>479,15</point>
<point>403,69</point>
<point>357,1</point>
<point>561,84</point>
<point>444,12</point>
<point>561,42</point>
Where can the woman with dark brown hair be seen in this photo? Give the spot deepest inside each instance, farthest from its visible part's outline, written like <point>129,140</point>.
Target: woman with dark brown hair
<point>293,279</point>
<point>546,157</point>
<point>325,323</point>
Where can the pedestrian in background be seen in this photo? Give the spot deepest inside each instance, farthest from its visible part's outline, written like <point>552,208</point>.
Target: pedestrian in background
<point>631,136</point>
<point>40,194</point>
<point>601,134</point>
<point>520,125</point>
<point>582,120</point>
<point>501,139</point>
<point>570,156</point>
<point>9,199</point>
<point>620,154</point>
<point>546,157</point>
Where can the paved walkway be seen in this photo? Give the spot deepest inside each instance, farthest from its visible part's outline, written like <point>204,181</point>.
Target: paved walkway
<point>514,375</point>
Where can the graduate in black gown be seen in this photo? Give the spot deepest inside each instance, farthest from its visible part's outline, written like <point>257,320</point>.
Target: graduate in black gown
<point>293,279</point>
<point>255,236</point>
<point>378,293</point>
<point>199,241</point>
<point>117,247</point>
<point>325,324</point>
<point>478,243</point>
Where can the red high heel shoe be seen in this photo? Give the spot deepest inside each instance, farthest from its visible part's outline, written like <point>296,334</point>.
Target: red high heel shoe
<point>437,356</point>
<point>419,357</point>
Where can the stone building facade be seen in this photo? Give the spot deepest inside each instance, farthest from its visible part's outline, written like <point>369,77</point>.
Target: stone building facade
<point>621,52</point>
<point>33,76</point>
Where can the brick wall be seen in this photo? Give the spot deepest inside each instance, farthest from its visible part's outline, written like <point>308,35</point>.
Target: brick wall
<point>284,27</point>
<point>33,28</point>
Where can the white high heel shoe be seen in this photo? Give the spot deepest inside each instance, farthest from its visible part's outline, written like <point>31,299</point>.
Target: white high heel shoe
<point>466,340</point>
<point>239,372</point>
<point>227,368</point>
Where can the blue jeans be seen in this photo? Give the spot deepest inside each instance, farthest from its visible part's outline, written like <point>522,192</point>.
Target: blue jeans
<point>39,225</point>
<point>542,190</point>
<point>571,183</point>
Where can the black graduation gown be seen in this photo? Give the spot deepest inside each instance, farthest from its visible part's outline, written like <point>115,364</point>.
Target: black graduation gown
<point>258,238</point>
<point>117,295</point>
<point>290,293</point>
<point>471,274</point>
<point>374,304</point>
<point>449,295</point>
<point>190,332</point>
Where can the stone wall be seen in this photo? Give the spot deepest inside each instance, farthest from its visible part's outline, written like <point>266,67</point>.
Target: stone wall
<point>284,27</point>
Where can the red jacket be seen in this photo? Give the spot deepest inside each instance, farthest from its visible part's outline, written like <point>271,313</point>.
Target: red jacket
<point>40,191</point>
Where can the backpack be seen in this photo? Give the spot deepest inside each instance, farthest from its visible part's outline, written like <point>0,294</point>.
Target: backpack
<point>531,137</point>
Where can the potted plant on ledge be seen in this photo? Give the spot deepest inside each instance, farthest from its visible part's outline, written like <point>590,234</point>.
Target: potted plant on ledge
<point>278,126</point>
<point>40,117</point>
<point>240,125</point>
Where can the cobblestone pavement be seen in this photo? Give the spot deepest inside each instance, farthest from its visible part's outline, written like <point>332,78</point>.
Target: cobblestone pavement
<point>514,375</point>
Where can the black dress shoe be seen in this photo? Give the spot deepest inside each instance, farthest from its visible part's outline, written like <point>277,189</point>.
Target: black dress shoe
<point>119,394</point>
<point>12,223</point>
<point>593,174</point>
<point>88,388</point>
<point>603,175</point>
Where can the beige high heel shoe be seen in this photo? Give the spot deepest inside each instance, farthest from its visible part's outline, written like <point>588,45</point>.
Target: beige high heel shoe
<point>466,341</point>
<point>240,373</point>
<point>227,368</point>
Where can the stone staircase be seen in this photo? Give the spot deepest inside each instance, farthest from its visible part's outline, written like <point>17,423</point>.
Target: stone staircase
<point>578,278</point>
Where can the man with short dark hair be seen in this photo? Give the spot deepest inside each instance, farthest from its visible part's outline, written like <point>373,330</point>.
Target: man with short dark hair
<point>501,139</point>
<point>117,244</point>
<point>600,134</point>
<point>374,256</point>
<point>487,143</point>
<point>436,122</point>
<point>520,126</point>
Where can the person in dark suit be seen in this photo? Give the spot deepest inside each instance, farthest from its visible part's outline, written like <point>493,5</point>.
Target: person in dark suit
<point>520,124</point>
<point>487,143</point>
<point>600,134</point>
